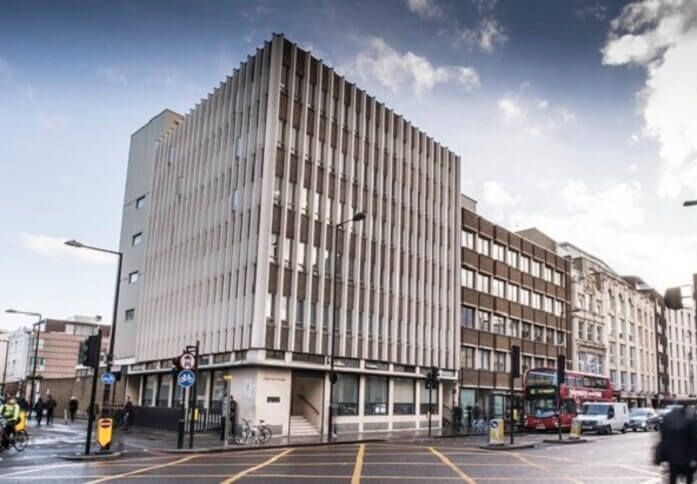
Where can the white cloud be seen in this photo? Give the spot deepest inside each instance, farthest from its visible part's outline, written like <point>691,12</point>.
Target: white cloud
<point>495,194</point>
<point>633,169</point>
<point>55,248</point>
<point>394,70</point>
<point>610,223</point>
<point>487,35</point>
<point>530,114</point>
<point>425,8</point>
<point>112,75</point>
<point>596,11</point>
<point>510,109</point>
<point>661,37</point>
<point>52,121</point>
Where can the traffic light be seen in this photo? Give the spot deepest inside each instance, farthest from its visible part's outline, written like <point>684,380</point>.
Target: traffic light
<point>88,353</point>
<point>515,361</point>
<point>432,378</point>
<point>561,369</point>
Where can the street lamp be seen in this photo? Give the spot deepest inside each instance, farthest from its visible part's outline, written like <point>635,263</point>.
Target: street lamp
<point>110,355</point>
<point>332,376</point>
<point>689,203</point>
<point>36,325</point>
<point>4,368</point>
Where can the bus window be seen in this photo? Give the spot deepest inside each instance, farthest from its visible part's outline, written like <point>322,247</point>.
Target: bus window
<point>568,406</point>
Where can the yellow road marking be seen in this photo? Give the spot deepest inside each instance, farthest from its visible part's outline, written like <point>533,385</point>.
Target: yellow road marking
<point>145,469</point>
<point>450,464</point>
<point>358,468</point>
<point>523,459</point>
<point>243,473</point>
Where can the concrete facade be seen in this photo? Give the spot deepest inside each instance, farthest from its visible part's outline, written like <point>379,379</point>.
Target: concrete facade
<point>245,192</point>
<point>682,353</point>
<point>18,355</point>
<point>135,220</point>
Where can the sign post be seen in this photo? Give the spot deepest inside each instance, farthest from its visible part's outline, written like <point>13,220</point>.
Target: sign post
<point>108,378</point>
<point>192,392</point>
<point>561,376</point>
<point>226,409</point>
<point>89,356</point>
<point>104,430</point>
<point>515,373</point>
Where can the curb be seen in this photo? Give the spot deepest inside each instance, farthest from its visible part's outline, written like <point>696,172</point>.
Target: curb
<point>92,457</point>
<point>567,441</point>
<point>239,448</point>
<point>506,446</point>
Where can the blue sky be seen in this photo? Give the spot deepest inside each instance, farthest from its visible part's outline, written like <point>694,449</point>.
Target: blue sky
<point>575,116</point>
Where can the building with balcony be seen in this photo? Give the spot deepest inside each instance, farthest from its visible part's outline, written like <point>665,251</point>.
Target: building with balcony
<point>246,193</point>
<point>514,291</point>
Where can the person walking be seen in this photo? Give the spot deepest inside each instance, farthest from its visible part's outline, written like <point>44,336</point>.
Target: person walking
<point>127,414</point>
<point>23,404</point>
<point>73,405</point>
<point>39,410</point>
<point>50,407</point>
<point>678,445</point>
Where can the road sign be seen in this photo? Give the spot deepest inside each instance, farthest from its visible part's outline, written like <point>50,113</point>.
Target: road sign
<point>496,431</point>
<point>104,428</point>
<point>186,378</point>
<point>108,378</point>
<point>187,361</point>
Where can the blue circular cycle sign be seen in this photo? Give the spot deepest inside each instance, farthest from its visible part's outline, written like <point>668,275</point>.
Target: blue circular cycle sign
<point>108,378</point>
<point>186,378</point>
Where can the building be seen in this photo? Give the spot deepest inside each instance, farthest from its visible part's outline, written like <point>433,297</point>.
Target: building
<point>17,355</point>
<point>4,354</point>
<point>682,349</point>
<point>134,229</point>
<point>515,291</point>
<point>245,193</point>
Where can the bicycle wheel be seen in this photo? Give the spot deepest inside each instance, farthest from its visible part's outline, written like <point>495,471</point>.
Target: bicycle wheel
<point>264,435</point>
<point>241,435</point>
<point>21,440</point>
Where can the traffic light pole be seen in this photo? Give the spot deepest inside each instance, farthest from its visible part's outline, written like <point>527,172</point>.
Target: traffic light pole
<point>192,402</point>
<point>93,394</point>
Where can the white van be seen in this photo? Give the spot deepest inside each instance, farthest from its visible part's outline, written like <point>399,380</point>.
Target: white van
<point>604,417</point>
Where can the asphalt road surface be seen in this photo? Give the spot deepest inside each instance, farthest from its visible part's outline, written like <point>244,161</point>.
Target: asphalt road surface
<point>615,458</point>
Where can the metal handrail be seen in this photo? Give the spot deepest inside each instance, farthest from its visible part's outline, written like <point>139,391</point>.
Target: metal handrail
<point>304,400</point>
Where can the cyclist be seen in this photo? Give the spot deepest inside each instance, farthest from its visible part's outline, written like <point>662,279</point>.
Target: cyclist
<point>10,412</point>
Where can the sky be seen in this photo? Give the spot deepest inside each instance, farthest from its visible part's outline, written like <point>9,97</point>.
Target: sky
<point>578,117</point>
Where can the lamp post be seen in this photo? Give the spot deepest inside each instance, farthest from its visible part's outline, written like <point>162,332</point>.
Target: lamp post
<point>36,325</point>
<point>689,203</point>
<point>110,354</point>
<point>4,368</point>
<point>332,376</point>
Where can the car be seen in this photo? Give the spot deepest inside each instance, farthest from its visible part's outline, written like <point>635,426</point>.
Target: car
<point>604,417</point>
<point>643,419</point>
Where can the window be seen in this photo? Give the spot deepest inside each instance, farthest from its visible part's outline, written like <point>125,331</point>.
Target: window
<point>550,336</point>
<point>535,269</point>
<point>512,293</point>
<point>484,320</point>
<point>498,324</point>
<point>538,334</point>
<point>499,252</point>
<point>375,395</point>
<point>581,332</point>
<point>558,308</point>
<point>483,283</point>
<point>133,277</point>
<point>536,300</point>
<point>499,361</point>
<point>424,397</point>
<point>548,304</point>
<point>269,305</point>
<point>589,332</point>
<point>467,239</point>
<point>527,331</point>
<point>137,239</point>
<point>346,394</point>
<point>130,314</point>
<point>557,278</point>
<point>484,359</point>
<point>527,362</point>
<point>514,328</point>
<point>467,357</point>
<point>513,258</point>
<point>140,202</point>
<point>547,274</point>
<point>498,288</point>
<point>404,398</point>
<point>483,246</point>
<point>524,263</point>
<point>467,317</point>
<point>299,314</point>
<point>525,297</point>
<point>467,278</point>
<point>560,338</point>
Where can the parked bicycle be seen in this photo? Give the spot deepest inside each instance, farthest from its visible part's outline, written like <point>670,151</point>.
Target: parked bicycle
<point>251,433</point>
<point>480,427</point>
<point>19,440</point>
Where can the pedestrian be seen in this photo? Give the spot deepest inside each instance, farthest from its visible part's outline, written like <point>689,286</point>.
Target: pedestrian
<point>50,407</point>
<point>23,404</point>
<point>469,418</point>
<point>73,404</point>
<point>39,410</point>
<point>678,445</point>
<point>127,414</point>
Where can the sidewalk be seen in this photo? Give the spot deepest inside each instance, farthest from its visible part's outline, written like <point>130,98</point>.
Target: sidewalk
<point>150,439</point>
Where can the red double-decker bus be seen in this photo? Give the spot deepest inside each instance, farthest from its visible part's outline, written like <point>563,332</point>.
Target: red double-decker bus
<point>541,397</point>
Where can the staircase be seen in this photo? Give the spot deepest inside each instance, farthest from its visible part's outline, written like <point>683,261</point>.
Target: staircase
<point>301,427</point>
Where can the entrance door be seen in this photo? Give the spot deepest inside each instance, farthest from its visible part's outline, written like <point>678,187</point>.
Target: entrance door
<point>307,397</point>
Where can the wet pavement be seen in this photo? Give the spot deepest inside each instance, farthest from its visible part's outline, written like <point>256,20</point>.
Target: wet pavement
<point>621,458</point>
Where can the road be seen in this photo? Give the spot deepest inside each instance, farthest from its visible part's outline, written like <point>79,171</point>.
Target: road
<point>621,458</point>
